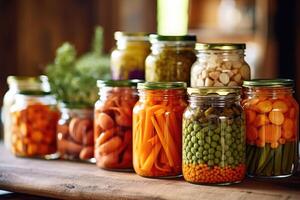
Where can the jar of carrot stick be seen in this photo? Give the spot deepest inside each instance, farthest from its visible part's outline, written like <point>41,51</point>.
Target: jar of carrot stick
<point>157,119</point>
<point>214,145</point>
<point>34,119</point>
<point>272,127</point>
<point>113,124</point>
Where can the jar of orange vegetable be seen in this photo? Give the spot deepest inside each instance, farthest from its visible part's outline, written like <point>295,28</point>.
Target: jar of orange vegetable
<point>214,136</point>
<point>34,119</point>
<point>113,124</point>
<point>157,129</point>
<point>272,127</point>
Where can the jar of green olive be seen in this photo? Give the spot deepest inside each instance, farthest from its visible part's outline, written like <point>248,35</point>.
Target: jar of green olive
<point>171,58</point>
<point>214,136</point>
<point>128,58</point>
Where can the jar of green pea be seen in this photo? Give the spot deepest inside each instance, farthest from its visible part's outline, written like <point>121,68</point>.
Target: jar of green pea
<point>214,145</point>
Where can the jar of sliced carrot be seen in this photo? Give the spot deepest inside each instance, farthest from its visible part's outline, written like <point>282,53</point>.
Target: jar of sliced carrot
<point>214,136</point>
<point>75,134</point>
<point>34,119</point>
<point>113,124</point>
<point>272,127</point>
<point>157,119</point>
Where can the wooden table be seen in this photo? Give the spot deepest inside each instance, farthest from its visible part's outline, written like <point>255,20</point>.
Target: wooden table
<point>69,180</point>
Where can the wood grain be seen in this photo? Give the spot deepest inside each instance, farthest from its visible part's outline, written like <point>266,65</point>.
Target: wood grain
<point>69,180</point>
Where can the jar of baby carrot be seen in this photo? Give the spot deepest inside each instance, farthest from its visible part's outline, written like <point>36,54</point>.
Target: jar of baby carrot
<point>214,139</point>
<point>157,119</point>
<point>272,127</point>
<point>34,119</point>
<point>113,123</point>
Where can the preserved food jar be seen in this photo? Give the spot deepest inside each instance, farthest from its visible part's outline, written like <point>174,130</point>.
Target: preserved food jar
<point>219,65</point>
<point>34,119</point>
<point>171,58</point>
<point>128,58</point>
<point>272,117</point>
<point>157,129</point>
<point>75,134</point>
<point>214,136</point>
<point>113,124</point>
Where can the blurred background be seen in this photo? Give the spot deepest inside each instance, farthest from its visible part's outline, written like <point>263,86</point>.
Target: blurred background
<point>31,30</point>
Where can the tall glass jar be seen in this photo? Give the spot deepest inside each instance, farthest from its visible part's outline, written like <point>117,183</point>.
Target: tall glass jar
<point>272,116</point>
<point>75,133</point>
<point>128,58</point>
<point>219,65</point>
<point>16,85</point>
<point>113,124</point>
<point>214,139</point>
<point>157,129</point>
<point>171,58</point>
<point>34,118</point>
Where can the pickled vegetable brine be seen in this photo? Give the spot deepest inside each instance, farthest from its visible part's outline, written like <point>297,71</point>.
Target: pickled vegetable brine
<point>157,129</point>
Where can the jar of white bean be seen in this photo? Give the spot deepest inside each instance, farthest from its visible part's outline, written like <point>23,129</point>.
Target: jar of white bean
<point>219,65</point>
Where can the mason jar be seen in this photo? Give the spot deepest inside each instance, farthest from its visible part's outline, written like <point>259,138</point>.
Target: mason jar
<point>171,58</point>
<point>220,64</point>
<point>157,137</point>
<point>214,139</point>
<point>272,117</point>
<point>128,58</point>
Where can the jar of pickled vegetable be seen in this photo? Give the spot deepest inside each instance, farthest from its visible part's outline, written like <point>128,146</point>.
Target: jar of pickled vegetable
<point>272,127</point>
<point>171,58</point>
<point>113,124</point>
<point>34,119</point>
<point>75,134</point>
<point>157,129</point>
<point>219,65</point>
<point>128,59</point>
<point>214,145</point>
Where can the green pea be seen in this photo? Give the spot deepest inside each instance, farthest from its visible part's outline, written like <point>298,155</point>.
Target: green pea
<point>196,145</point>
<point>239,147</point>
<point>216,160</point>
<point>188,137</point>
<point>198,154</point>
<point>200,149</point>
<point>208,139</point>
<point>205,158</point>
<point>233,146</point>
<point>211,150</point>
<point>190,128</point>
<point>190,144</point>
<point>210,133</point>
<point>230,160</point>
<point>216,137</point>
<point>218,154</point>
<point>219,148</point>
<point>193,133</point>
<point>194,139</point>
<point>218,130</point>
<point>189,155</point>
<point>210,156</point>
<point>206,146</point>
<point>210,163</point>
<point>205,152</point>
<point>193,150</point>
<point>202,161</point>
<point>228,153</point>
<point>201,142</point>
<point>194,158</point>
<point>196,126</point>
<point>228,136</point>
<point>213,144</point>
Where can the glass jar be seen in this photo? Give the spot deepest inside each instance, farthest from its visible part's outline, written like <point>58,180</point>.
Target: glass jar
<point>113,124</point>
<point>272,117</point>
<point>75,133</point>
<point>219,65</point>
<point>171,58</point>
<point>18,84</point>
<point>157,129</point>
<point>214,139</point>
<point>34,118</point>
<point>128,59</point>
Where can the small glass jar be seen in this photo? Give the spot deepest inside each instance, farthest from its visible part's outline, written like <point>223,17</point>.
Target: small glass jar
<point>171,58</point>
<point>128,58</point>
<point>157,129</point>
<point>113,124</point>
<point>18,84</point>
<point>34,119</point>
<point>272,117</point>
<point>75,133</point>
<point>219,65</point>
<point>214,139</point>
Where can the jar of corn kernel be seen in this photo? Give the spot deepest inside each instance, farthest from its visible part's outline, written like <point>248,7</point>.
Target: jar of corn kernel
<point>219,65</point>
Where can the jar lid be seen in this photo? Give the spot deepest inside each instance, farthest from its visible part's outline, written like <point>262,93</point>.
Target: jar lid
<point>269,83</point>
<point>132,35</point>
<point>175,38</point>
<point>30,83</point>
<point>222,91</point>
<point>161,85</point>
<point>220,46</point>
<point>118,83</point>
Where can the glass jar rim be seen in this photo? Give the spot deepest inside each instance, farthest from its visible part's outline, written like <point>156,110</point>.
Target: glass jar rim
<point>269,83</point>
<point>161,85</point>
<point>220,91</point>
<point>134,36</point>
<point>30,83</point>
<point>118,83</point>
<point>172,38</point>
<point>220,46</point>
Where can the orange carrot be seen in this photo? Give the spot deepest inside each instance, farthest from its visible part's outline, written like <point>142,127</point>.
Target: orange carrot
<point>281,106</point>
<point>276,117</point>
<point>250,116</point>
<point>264,106</point>
<point>151,158</point>
<point>288,129</point>
<point>261,119</point>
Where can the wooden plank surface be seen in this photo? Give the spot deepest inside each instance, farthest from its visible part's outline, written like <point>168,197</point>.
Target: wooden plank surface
<point>69,180</point>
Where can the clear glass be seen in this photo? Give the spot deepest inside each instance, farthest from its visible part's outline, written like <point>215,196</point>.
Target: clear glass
<point>214,137</point>
<point>113,127</point>
<point>272,117</point>
<point>75,134</point>
<point>157,137</point>
<point>219,68</point>
<point>34,120</point>
<point>170,61</point>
